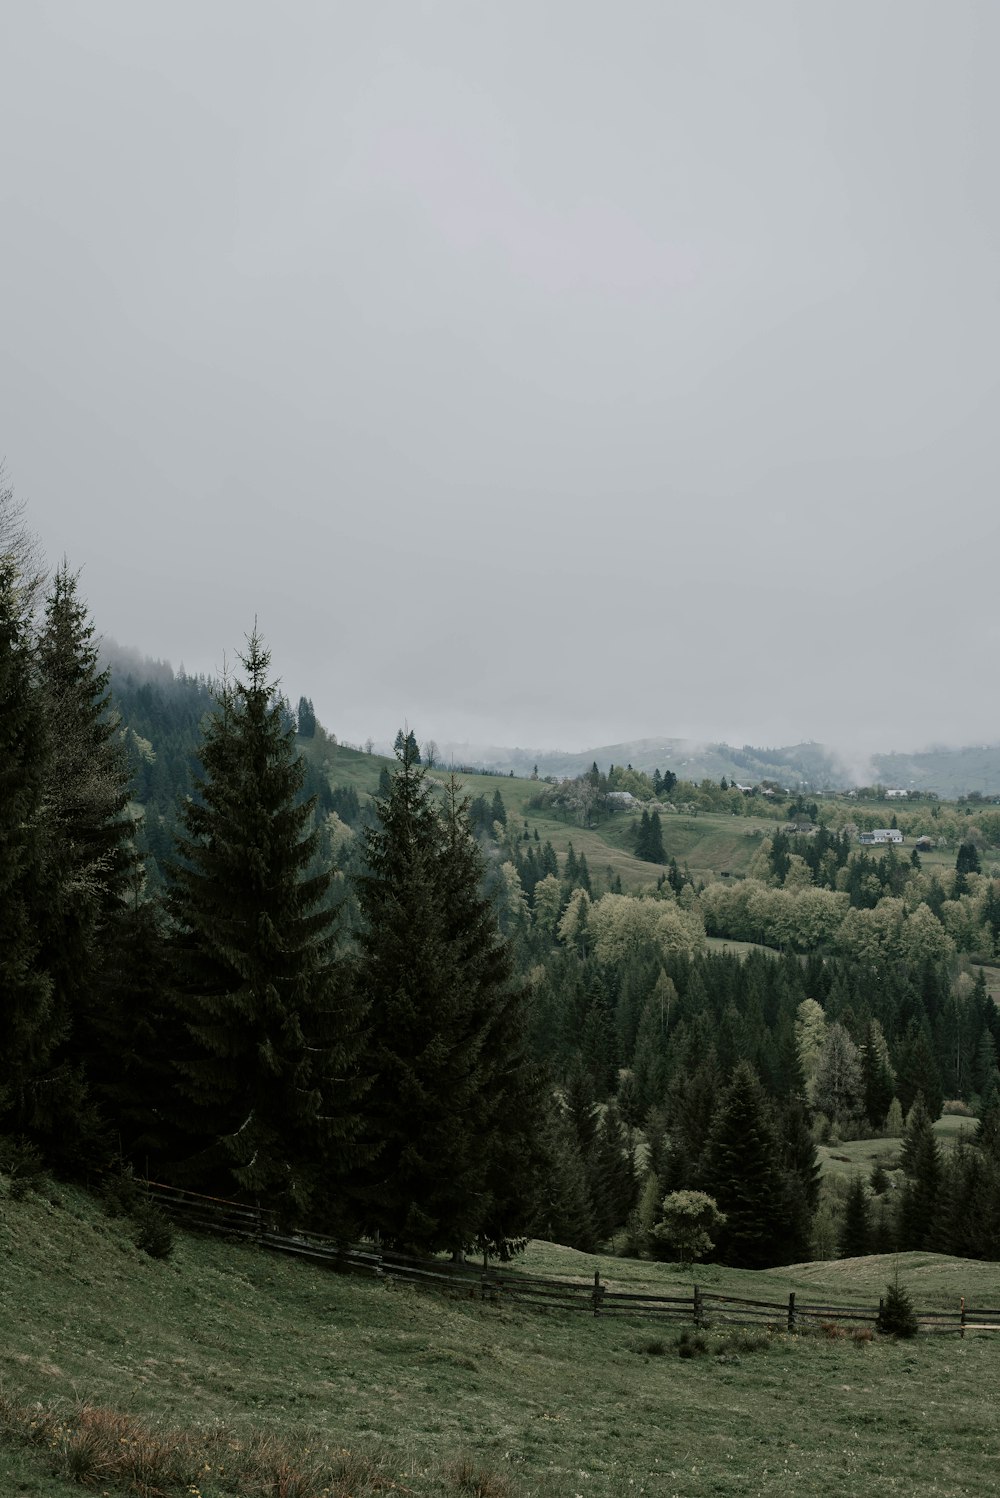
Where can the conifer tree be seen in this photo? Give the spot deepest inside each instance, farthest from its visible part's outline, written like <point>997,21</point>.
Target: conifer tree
<point>29,1027</point>
<point>920,1202</point>
<point>91,858</point>
<point>270,1073</point>
<point>742,1173</point>
<point>855,1233</point>
<point>454,1095</point>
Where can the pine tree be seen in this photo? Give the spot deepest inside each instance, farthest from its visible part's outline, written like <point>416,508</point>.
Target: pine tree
<point>657,852</point>
<point>306,719</point>
<point>454,1097</point>
<point>920,1203</point>
<point>91,858</point>
<point>271,1071</point>
<point>741,1172</point>
<point>856,1233</point>
<point>503,1114</point>
<point>29,1027</point>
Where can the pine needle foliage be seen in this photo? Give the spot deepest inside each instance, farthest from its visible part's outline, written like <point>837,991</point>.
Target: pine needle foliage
<point>454,1096</point>
<point>268,1068</point>
<point>29,1030</point>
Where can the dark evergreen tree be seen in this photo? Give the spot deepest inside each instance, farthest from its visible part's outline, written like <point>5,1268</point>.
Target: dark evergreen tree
<point>801,1178</point>
<point>919,1204</point>
<point>454,1100</point>
<point>91,858</point>
<point>614,1184</point>
<point>966,863</point>
<point>504,1114</point>
<point>564,1212</point>
<point>406,744</point>
<point>30,1027</point>
<point>741,1171</point>
<point>306,719</point>
<point>917,1072</point>
<point>657,852</point>
<point>270,1071</point>
<point>855,1233</point>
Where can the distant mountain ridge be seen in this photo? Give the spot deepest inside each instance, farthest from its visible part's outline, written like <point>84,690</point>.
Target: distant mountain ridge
<point>949,773</point>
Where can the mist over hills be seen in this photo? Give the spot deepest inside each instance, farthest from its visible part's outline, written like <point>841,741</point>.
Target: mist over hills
<point>946,772</point>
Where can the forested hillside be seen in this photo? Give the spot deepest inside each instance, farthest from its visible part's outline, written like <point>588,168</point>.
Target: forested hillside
<point>459,1010</point>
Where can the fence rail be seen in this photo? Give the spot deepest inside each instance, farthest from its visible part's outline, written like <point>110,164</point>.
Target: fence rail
<point>492,1283</point>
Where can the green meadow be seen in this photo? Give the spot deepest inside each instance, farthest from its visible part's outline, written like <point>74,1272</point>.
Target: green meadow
<point>225,1371</point>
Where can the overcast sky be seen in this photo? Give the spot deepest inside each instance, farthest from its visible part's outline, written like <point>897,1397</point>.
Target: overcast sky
<point>539,373</point>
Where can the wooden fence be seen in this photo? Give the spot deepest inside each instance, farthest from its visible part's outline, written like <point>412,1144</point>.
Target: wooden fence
<point>701,1308</point>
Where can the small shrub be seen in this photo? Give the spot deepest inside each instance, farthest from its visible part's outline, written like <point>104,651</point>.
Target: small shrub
<point>746,1339</point>
<point>21,1162</point>
<point>654,1348</point>
<point>154,1232</point>
<point>85,1456</point>
<point>879,1179</point>
<point>861,1334</point>
<point>470,1478</point>
<point>957,1106</point>
<point>831,1331</point>
<point>691,1345</point>
<point>122,1195</point>
<point>897,1317</point>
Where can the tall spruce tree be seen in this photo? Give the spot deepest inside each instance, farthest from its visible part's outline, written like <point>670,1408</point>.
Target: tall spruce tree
<point>453,1097</point>
<point>269,1071</point>
<point>29,1026</point>
<point>741,1170</point>
<point>90,859</point>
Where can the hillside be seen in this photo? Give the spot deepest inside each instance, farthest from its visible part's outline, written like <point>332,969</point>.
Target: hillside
<point>277,1377</point>
<point>949,773</point>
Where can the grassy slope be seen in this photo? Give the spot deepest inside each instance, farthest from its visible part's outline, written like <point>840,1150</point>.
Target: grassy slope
<point>552,1404</point>
<point>857,1156</point>
<point>707,843</point>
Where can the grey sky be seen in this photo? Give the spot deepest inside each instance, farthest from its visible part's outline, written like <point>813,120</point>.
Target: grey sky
<point>538,373</point>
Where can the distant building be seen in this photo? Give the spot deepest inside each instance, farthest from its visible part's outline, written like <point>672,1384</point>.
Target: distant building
<point>881,835</point>
<point>896,795</point>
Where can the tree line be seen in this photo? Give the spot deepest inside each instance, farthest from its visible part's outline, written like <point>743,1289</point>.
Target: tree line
<point>448,1037</point>
<point>214,1029</point>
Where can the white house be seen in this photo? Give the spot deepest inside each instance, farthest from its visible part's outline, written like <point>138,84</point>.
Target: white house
<point>881,835</point>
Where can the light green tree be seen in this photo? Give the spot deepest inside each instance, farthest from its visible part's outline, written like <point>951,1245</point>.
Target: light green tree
<point>548,903</point>
<point>687,1221</point>
<point>574,927</point>
<point>810,1035</point>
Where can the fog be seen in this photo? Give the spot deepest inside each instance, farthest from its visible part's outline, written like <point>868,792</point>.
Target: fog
<point>547,375</point>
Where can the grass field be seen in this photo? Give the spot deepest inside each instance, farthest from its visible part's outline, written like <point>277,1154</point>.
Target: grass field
<point>857,1156</point>
<point>286,1379</point>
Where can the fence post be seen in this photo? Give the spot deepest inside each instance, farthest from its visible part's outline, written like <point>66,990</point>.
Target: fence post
<point>962,1319</point>
<point>881,1313</point>
<point>699,1319</point>
<point>598,1294</point>
<point>791,1310</point>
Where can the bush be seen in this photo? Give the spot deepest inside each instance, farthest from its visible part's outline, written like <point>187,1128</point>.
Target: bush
<point>21,1162</point>
<point>691,1345</point>
<point>957,1106</point>
<point>897,1317</point>
<point>655,1347</point>
<point>122,1195</point>
<point>154,1232</point>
